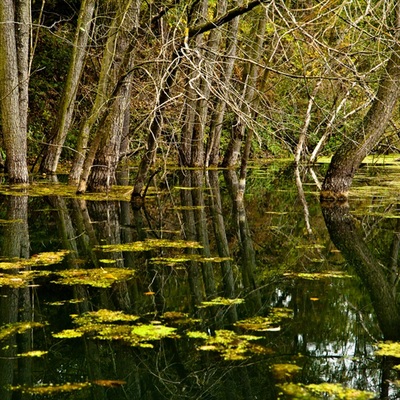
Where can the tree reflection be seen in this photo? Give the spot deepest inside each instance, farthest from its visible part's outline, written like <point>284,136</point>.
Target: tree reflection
<point>376,277</point>
<point>15,246</point>
<point>380,280</point>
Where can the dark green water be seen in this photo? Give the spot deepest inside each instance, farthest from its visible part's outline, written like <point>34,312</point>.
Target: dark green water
<point>212,296</point>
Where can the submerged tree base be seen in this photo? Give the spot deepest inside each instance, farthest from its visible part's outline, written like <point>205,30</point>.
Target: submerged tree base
<point>331,196</point>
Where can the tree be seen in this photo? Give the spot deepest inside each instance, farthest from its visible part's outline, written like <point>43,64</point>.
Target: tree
<point>164,92</point>
<point>14,79</point>
<point>67,102</point>
<point>349,156</point>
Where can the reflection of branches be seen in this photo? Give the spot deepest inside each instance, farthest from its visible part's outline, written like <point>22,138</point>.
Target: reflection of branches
<point>349,241</point>
<point>303,200</point>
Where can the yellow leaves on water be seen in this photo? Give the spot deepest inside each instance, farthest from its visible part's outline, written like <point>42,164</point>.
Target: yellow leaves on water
<point>18,327</point>
<point>33,353</point>
<point>283,372</point>
<point>149,244</point>
<point>96,277</point>
<point>318,275</point>
<point>391,349</point>
<point>230,345</point>
<point>102,316</point>
<point>51,389</point>
<point>264,324</point>
<point>220,301</point>
<point>113,325</point>
<point>333,391</point>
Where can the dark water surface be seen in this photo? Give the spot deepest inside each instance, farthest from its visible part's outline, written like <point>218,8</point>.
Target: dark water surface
<point>212,296</point>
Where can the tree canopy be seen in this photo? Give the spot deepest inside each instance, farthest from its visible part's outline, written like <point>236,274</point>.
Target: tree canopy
<point>87,85</point>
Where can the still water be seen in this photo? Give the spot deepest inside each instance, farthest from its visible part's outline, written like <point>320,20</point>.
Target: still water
<point>203,293</point>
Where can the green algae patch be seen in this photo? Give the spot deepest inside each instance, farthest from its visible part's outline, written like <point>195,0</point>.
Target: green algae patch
<point>33,353</point>
<point>46,258</point>
<point>318,275</point>
<point>101,316</point>
<point>283,372</point>
<point>18,327</point>
<point>265,324</point>
<point>331,391</point>
<point>220,301</point>
<point>149,244</point>
<point>229,345</point>
<point>391,349</point>
<point>37,260</point>
<point>114,325</point>
<point>96,277</point>
<point>188,257</point>
<point>51,389</point>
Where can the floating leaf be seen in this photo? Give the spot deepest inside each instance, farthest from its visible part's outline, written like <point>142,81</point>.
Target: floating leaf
<point>220,301</point>
<point>99,325</point>
<point>318,275</point>
<point>388,348</point>
<point>323,390</point>
<point>18,327</point>
<point>284,371</point>
<point>264,324</point>
<point>97,277</point>
<point>102,315</point>
<point>33,353</point>
<point>50,388</point>
<point>149,244</point>
<point>230,345</point>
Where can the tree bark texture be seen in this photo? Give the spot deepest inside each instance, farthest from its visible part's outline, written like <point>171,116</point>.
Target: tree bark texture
<point>14,128</point>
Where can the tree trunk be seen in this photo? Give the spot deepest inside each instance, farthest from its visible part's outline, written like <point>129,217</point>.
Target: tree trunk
<point>13,107</point>
<point>102,172</point>
<point>67,103</point>
<point>109,74</point>
<point>217,119</point>
<point>350,154</point>
<point>239,128</point>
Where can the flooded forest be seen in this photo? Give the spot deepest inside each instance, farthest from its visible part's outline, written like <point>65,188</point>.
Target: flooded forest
<point>199,199</point>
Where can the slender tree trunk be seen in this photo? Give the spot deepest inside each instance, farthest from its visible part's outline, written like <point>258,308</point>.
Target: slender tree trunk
<point>217,119</point>
<point>67,103</point>
<point>350,154</point>
<point>250,82</point>
<point>13,107</point>
<point>107,81</point>
<point>303,134</point>
<point>198,137</point>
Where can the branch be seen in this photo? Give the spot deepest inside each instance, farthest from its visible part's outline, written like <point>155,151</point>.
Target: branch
<point>223,19</point>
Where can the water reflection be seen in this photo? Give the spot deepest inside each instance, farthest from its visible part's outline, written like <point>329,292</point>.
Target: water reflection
<point>379,278</point>
<point>203,293</point>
